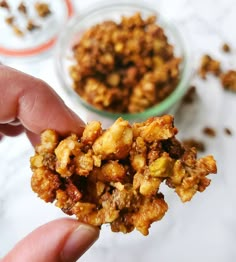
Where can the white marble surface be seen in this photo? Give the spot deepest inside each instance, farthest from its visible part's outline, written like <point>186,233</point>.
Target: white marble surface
<point>202,230</point>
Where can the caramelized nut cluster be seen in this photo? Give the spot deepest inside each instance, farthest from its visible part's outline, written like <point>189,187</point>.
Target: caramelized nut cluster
<point>209,65</point>
<point>125,67</point>
<point>228,80</point>
<point>113,176</point>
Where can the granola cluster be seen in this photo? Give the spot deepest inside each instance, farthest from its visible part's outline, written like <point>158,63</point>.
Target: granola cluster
<point>113,176</point>
<point>125,67</point>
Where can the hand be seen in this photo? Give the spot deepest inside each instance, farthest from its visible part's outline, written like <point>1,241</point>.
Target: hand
<point>29,105</point>
<point>62,240</point>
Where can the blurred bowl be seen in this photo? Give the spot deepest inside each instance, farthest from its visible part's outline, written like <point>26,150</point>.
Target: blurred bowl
<point>114,11</point>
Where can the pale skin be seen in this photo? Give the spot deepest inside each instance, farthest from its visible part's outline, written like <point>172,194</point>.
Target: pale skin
<point>29,105</point>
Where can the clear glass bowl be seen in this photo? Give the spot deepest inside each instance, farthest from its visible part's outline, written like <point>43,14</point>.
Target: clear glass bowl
<point>114,11</point>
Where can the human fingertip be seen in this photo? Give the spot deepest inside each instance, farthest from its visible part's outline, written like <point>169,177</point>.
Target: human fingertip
<point>78,242</point>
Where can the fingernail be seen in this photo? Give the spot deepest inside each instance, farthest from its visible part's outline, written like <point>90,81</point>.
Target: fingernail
<point>78,242</point>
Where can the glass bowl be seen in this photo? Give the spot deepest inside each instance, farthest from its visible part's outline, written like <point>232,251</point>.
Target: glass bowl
<point>114,11</point>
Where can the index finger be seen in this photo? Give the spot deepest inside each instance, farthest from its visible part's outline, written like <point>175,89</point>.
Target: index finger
<point>35,104</point>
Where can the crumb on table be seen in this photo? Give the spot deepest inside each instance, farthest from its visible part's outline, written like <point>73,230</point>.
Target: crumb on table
<point>228,80</point>
<point>226,48</point>
<point>209,131</point>
<point>228,131</point>
<point>209,65</point>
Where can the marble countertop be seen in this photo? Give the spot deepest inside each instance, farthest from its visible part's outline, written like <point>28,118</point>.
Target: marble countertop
<point>202,230</point>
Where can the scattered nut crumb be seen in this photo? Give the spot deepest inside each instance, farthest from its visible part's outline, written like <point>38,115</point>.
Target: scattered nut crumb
<point>42,9</point>
<point>17,31</point>
<point>228,80</point>
<point>228,131</point>
<point>190,95</point>
<point>209,65</point>
<point>22,8</point>
<point>32,26</point>
<point>4,4</point>
<point>209,131</point>
<point>10,20</point>
<point>226,48</point>
<point>192,142</point>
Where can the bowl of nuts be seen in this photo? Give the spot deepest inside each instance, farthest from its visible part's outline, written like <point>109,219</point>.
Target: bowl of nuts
<point>123,60</point>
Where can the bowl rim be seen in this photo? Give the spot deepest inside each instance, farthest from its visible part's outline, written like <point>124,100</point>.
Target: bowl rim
<point>158,109</point>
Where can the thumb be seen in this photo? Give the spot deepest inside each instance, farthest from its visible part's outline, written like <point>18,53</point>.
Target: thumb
<point>62,240</point>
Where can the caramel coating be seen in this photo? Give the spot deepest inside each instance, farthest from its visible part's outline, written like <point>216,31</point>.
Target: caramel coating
<point>113,176</point>
<point>125,67</point>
